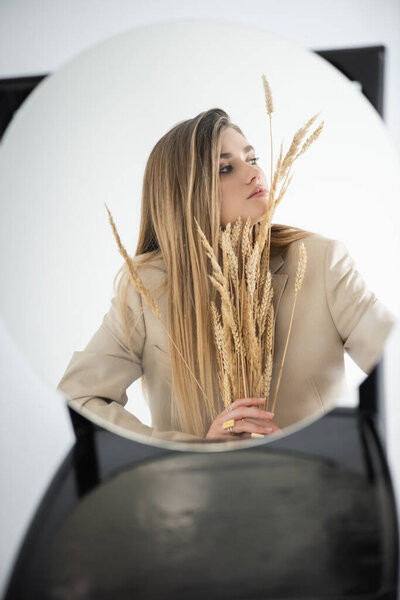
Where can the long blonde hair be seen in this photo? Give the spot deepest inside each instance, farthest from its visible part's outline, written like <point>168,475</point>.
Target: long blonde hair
<point>181,183</point>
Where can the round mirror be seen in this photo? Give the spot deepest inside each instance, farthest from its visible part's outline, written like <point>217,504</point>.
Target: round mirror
<point>83,139</point>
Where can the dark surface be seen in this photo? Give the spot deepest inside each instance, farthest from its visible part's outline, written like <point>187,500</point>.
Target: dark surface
<point>287,519</point>
<point>13,92</point>
<point>229,527</point>
<point>365,65</point>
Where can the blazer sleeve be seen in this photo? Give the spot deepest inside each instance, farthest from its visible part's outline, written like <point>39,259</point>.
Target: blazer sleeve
<point>96,378</point>
<point>362,321</point>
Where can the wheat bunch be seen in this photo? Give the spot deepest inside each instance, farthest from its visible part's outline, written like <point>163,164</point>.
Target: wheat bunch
<point>244,328</point>
<point>247,314</point>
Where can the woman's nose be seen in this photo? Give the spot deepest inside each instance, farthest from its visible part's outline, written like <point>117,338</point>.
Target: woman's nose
<point>254,173</point>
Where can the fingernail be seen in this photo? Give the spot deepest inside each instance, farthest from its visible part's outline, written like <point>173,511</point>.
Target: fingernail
<point>268,429</point>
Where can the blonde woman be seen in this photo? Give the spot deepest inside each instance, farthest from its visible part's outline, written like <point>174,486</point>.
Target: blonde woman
<point>205,169</point>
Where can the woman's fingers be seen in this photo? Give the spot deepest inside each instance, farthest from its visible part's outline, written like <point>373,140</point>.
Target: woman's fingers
<point>248,435</point>
<point>246,402</point>
<point>247,411</point>
<point>246,427</point>
<point>249,418</point>
<point>264,422</point>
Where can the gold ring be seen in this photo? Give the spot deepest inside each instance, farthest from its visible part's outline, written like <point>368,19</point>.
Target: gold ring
<point>229,423</point>
<point>230,429</point>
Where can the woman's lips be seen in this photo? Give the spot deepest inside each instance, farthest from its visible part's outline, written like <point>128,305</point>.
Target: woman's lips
<point>260,194</point>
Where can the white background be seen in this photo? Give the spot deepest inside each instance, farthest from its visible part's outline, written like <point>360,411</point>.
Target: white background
<point>37,38</point>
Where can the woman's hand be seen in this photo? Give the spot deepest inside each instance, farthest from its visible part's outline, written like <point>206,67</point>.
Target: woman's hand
<point>249,418</point>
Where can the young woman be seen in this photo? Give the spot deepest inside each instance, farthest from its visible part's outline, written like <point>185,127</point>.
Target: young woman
<point>205,169</point>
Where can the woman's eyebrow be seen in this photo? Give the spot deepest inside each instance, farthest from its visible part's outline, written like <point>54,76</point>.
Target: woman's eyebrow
<point>229,155</point>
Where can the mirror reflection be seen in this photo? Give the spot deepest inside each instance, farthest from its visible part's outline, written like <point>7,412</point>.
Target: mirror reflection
<point>205,171</point>
<point>116,121</point>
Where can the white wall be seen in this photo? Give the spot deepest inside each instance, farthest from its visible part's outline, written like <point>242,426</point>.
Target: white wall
<point>37,37</point>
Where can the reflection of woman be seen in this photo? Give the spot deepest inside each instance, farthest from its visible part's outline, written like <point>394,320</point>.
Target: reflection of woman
<point>203,168</point>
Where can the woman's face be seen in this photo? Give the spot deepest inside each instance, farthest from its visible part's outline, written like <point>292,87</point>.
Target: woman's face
<point>240,176</point>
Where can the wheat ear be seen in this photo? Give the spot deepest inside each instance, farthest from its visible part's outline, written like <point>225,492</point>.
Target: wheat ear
<point>311,139</point>
<point>293,154</point>
<point>133,270</point>
<point>223,360</point>
<point>270,109</point>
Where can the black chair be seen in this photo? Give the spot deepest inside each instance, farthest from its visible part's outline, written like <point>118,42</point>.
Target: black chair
<point>308,516</point>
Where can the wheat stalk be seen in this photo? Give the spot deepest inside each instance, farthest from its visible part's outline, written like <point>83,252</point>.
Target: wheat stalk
<point>301,268</point>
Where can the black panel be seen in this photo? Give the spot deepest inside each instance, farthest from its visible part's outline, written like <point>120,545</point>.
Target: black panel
<point>365,65</point>
<point>13,92</point>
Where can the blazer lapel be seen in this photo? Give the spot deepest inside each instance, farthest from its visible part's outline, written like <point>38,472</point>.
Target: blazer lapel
<point>278,280</point>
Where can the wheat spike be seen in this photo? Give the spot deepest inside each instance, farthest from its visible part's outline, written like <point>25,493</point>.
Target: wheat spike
<point>216,327</point>
<point>301,267</point>
<point>265,302</point>
<point>311,139</point>
<point>267,378</point>
<point>227,313</point>
<point>133,270</point>
<point>251,269</point>
<point>268,95</point>
<point>217,271</point>
<point>231,257</point>
<point>294,146</point>
<point>236,230</point>
<point>270,326</point>
<point>227,400</point>
<point>219,337</point>
<point>245,239</point>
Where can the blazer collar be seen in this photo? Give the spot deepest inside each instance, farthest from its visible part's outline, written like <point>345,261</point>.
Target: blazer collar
<point>275,262</point>
<point>278,280</point>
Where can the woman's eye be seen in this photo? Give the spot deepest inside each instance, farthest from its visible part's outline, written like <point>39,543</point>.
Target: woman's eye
<point>223,169</point>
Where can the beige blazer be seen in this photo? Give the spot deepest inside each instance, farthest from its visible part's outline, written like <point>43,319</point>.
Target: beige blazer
<point>335,312</point>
